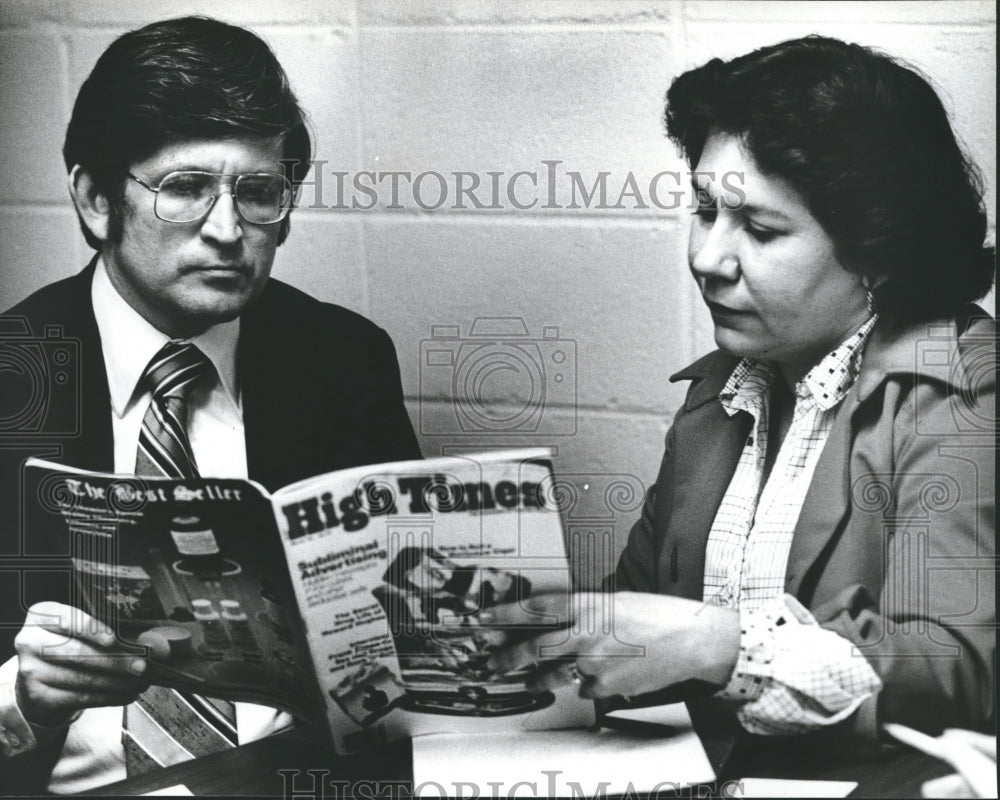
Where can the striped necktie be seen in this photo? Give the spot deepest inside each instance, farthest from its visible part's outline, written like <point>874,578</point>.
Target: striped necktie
<point>164,447</point>
<point>166,726</point>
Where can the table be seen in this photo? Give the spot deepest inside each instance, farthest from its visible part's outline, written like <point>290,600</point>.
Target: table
<point>293,766</point>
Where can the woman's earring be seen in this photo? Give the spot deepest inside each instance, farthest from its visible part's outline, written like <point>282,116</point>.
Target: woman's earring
<point>869,296</point>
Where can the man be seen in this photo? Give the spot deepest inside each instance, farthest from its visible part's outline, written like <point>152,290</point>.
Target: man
<point>174,155</point>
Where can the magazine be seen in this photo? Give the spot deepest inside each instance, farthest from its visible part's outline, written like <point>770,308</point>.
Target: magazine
<point>351,599</point>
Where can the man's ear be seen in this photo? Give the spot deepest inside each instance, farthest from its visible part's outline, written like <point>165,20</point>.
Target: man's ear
<point>92,206</point>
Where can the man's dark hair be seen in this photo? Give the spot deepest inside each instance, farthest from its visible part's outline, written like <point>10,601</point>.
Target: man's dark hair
<point>866,142</point>
<point>185,78</point>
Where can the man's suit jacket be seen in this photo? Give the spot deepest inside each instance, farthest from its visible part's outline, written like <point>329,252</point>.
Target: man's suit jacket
<point>895,543</point>
<point>320,387</point>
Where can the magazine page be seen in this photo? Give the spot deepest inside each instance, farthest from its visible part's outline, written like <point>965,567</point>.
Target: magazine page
<point>192,571</point>
<point>392,566</point>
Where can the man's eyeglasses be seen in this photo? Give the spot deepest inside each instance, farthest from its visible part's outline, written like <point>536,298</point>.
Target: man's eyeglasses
<point>260,198</point>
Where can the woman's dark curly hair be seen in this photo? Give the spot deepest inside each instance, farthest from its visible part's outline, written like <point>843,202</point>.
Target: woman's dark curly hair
<point>867,143</point>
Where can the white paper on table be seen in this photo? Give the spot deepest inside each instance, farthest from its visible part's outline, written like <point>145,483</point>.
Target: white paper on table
<point>178,790</point>
<point>562,763</point>
<point>972,754</point>
<point>674,714</point>
<point>778,787</point>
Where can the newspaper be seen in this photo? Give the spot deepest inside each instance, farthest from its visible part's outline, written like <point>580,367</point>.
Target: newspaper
<point>353,599</point>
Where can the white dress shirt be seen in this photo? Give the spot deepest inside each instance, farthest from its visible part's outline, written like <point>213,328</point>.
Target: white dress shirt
<point>215,415</point>
<point>93,754</point>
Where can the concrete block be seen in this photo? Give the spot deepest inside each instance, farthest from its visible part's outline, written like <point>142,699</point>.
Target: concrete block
<point>601,475</point>
<point>321,65</point>
<point>507,101</point>
<point>532,317</point>
<point>606,450</point>
<point>241,12</point>
<point>40,245</point>
<point>702,330</point>
<point>33,109</point>
<point>28,13</point>
<point>525,12</point>
<point>323,257</point>
<point>909,11</point>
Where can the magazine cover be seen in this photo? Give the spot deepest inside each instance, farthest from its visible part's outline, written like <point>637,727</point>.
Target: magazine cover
<point>394,567</point>
<point>191,570</point>
<point>356,600</point>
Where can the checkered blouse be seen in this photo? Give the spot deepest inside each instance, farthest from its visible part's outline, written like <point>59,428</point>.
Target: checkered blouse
<point>791,675</point>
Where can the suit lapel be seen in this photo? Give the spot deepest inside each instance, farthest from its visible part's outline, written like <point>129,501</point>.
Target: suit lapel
<point>702,477</point>
<point>703,472</point>
<point>826,503</point>
<point>85,414</point>
<point>892,350</point>
<point>287,401</point>
<point>96,443</point>
<point>262,380</point>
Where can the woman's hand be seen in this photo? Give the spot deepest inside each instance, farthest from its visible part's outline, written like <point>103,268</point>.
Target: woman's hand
<point>624,643</point>
<point>68,661</point>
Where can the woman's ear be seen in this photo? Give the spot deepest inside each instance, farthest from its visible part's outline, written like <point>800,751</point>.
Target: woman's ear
<point>92,206</point>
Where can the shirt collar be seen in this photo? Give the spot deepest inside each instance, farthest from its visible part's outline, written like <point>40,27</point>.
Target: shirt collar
<point>747,386</point>
<point>129,341</point>
<point>827,383</point>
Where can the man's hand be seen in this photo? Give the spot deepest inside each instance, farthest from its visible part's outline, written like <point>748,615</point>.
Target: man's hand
<point>68,661</point>
<point>623,643</point>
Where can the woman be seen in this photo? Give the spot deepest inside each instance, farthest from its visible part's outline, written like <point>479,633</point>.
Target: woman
<point>817,549</point>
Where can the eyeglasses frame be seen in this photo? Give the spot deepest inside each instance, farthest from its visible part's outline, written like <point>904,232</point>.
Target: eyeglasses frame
<point>285,210</point>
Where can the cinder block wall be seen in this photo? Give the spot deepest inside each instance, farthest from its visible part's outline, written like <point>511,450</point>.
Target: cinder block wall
<point>597,303</point>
